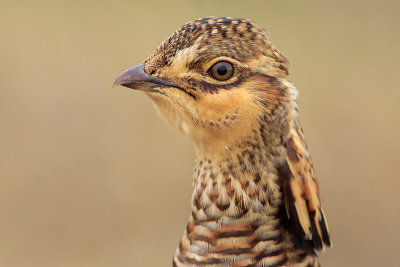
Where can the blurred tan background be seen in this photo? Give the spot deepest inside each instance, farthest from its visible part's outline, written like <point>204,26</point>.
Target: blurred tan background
<point>90,176</point>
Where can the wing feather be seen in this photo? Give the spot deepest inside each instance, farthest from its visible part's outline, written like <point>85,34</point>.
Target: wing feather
<point>303,212</point>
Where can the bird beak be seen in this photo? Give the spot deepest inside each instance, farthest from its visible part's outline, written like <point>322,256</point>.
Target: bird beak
<point>136,78</point>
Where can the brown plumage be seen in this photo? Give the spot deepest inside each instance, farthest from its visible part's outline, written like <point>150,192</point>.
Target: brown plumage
<point>255,201</point>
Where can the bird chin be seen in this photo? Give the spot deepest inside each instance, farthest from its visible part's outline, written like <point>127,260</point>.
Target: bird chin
<point>175,115</point>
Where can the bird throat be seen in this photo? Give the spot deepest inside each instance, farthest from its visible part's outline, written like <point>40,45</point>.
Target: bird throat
<point>235,204</point>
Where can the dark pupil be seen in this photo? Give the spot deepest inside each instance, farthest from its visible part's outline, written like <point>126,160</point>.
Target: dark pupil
<point>222,70</point>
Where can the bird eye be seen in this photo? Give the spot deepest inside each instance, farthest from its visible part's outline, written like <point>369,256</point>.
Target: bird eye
<point>221,71</point>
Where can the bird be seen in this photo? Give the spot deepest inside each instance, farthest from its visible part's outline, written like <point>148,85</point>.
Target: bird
<point>256,200</point>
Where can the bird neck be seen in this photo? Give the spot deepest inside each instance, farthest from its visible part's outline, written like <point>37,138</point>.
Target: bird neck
<point>244,180</point>
<point>235,204</point>
<point>241,177</point>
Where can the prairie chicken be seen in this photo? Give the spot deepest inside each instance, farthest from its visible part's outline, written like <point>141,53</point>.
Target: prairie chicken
<point>255,200</point>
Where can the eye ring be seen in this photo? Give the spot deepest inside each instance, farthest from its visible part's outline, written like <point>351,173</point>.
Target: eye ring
<point>221,71</point>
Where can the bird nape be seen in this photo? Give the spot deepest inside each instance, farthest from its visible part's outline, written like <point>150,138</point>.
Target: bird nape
<point>255,200</point>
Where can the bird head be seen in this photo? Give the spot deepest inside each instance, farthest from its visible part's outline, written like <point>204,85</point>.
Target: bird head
<point>215,80</point>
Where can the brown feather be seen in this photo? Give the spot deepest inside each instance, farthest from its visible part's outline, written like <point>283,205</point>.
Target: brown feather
<point>301,195</point>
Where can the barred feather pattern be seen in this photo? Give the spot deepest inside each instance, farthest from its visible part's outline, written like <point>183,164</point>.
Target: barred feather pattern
<point>228,226</point>
<point>239,214</point>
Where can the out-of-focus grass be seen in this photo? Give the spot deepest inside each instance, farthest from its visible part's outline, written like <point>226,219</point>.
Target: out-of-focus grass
<point>90,176</point>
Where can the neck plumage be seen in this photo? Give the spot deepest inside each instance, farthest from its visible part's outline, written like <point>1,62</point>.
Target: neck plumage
<point>237,201</point>
<point>235,205</point>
